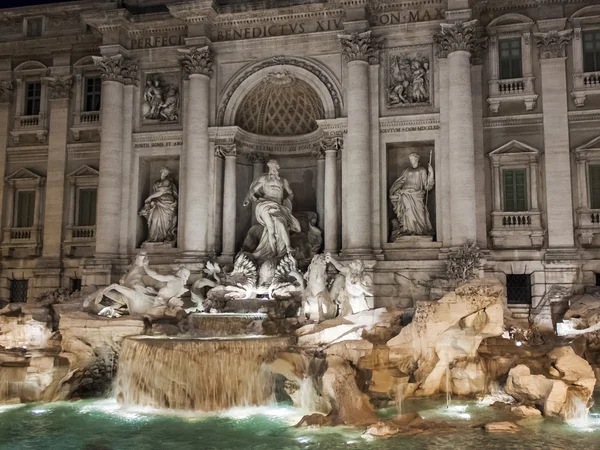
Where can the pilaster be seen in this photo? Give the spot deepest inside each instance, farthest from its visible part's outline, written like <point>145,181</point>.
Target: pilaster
<point>6,97</point>
<point>557,166</point>
<point>229,153</point>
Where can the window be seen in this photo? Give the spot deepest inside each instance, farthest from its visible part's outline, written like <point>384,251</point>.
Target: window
<point>33,96</point>
<point>25,209</point>
<point>86,216</point>
<point>597,279</point>
<point>510,58</point>
<point>34,27</point>
<point>75,284</point>
<point>18,291</point>
<point>594,174</point>
<point>92,94</point>
<point>591,51</point>
<point>515,190</point>
<point>518,289</point>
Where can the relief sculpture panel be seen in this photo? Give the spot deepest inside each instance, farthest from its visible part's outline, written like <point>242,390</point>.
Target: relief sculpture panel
<point>409,77</point>
<point>161,100</point>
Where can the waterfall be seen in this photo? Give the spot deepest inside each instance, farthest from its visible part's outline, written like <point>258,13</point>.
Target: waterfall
<point>448,388</point>
<point>196,373</point>
<point>399,396</point>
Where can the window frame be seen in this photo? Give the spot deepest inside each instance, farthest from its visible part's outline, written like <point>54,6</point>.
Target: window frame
<point>596,53</point>
<point>11,290</point>
<point>35,98</point>
<point>17,208</point>
<point>527,286</point>
<point>512,168</point>
<point>26,23</point>
<point>510,60</point>
<point>584,20</point>
<point>85,95</point>
<point>79,189</point>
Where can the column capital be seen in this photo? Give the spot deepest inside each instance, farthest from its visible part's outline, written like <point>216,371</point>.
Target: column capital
<point>257,157</point>
<point>457,36</point>
<point>196,60</point>
<point>317,153</point>
<point>59,86</point>
<point>361,47</point>
<point>226,150</point>
<point>6,91</point>
<point>117,68</point>
<point>333,144</point>
<point>552,44</point>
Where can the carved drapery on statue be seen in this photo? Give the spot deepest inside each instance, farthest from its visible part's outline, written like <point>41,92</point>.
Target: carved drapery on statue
<point>361,47</point>
<point>409,195</point>
<point>197,60</point>
<point>117,68</point>
<point>272,197</point>
<point>552,44</point>
<point>160,210</point>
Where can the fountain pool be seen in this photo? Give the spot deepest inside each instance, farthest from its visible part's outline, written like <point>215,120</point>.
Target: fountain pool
<point>104,425</point>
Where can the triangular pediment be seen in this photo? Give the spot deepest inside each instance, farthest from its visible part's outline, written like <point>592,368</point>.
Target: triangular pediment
<point>83,171</point>
<point>515,147</point>
<point>594,144</point>
<point>23,174</point>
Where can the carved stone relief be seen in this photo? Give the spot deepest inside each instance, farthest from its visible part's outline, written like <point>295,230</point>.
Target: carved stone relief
<point>161,100</point>
<point>409,80</point>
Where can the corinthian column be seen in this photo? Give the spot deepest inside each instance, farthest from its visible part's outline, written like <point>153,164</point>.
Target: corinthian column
<point>330,148</point>
<point>197,64</point>
<point>116,71</point>
<point>59,92</point>
<point>360,50</point>
<point>229,199</point>
<point>6,95</point>
<point>559,200</point>
<point>456,41</point>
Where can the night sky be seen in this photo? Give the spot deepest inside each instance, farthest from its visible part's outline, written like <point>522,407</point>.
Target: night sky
<point>17,3</point>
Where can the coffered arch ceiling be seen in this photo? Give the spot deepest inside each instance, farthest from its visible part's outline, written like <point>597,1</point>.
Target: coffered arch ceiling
<point>280,105</point>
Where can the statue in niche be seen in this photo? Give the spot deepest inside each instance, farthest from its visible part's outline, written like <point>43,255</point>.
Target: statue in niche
<point>273,198</point>
<point>161,100</point>
<point>409,195</point>
<point>160,210</point>
<point>408,80</point>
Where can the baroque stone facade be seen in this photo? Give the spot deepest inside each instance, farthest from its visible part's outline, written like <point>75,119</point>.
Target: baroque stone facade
<point>499,103</point>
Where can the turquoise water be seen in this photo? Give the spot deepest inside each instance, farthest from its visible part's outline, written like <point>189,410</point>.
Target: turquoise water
<point>102,425</point>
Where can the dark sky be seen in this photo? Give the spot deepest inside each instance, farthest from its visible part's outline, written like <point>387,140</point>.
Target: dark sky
<point>17,3</point>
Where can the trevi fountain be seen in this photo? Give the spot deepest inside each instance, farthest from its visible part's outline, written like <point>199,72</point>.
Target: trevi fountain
<point>315,224</point>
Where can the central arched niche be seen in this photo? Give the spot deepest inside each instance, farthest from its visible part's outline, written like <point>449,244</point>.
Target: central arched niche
<point>280,105</point>
<point>280,111</point>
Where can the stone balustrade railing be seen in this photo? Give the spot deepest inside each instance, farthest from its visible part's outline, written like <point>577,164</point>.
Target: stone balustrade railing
<point>33,122</point>
<point>591,80</point>
<point>516,220</point>
<point>88,118</point>
<point>511,86</point>
<point>83,233</point>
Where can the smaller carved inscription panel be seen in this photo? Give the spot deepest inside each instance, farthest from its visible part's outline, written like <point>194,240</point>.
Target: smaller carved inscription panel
<point>409,77</point>
<point>161,99</point>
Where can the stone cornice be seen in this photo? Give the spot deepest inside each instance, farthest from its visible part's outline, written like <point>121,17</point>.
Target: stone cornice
<point>196,60</point>
<point>552,44</point>
<point>105,21</point>
<point>361,47</point>
<point>504,5</point>
<point>157,136</point>
<point>520,120</point>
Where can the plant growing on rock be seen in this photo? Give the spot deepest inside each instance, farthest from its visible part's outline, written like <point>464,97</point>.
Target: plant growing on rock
<point>464,264</point>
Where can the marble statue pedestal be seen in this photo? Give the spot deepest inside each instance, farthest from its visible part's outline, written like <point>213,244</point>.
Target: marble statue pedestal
<point>158,245</point>
<point>413,241</point>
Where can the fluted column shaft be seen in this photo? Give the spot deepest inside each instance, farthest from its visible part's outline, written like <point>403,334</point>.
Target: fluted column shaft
<point>229,200</point>
<point>462,150</point>
<point>330,200</point>
<point>109,181</point>
<point>115,71</point>
<point>197,62</point>
<point>359,50</point>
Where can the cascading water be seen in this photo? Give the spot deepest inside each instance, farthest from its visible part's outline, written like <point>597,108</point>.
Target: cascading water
<point>399,396</point>
<point>448,388</point>
<point>197,373</point>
